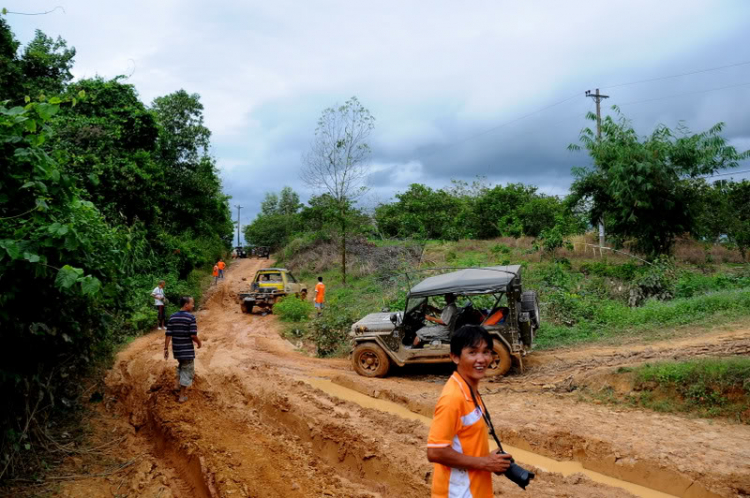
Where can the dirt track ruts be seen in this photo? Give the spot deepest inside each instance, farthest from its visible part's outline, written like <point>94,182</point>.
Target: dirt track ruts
<point>253,428</point>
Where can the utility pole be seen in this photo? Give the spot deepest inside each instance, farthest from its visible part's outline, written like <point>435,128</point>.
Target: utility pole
<point>238,223</point>
<point>598,97</point>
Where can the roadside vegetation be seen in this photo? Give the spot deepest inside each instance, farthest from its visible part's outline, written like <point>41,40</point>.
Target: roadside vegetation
<point>710,387</point>
<point>101,196</point>
<point>584,298</point>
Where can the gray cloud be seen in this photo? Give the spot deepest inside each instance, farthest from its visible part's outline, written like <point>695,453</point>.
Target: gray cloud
<point>433,76</point>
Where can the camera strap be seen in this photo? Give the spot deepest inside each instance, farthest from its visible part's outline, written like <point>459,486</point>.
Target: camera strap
<point>485,414</point>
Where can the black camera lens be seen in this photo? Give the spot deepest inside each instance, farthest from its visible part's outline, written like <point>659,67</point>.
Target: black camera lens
<point>519,475</point>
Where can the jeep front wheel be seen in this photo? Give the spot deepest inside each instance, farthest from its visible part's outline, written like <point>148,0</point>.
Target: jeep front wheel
<point>369,360</point>
<point>501,361</point>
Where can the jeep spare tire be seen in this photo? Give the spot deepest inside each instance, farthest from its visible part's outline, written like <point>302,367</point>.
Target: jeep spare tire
<point>369,360</point>
<point>501,360</point>
<point>530,304</point>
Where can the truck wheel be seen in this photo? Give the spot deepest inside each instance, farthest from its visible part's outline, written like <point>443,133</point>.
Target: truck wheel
<point>369,360</point>
<point>501,361</point>
<point>530,304</point>
<point>247,307</point>
<point>303,295</point>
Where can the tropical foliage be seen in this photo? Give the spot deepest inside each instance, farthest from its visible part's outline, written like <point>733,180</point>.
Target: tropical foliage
<point>101,196</point>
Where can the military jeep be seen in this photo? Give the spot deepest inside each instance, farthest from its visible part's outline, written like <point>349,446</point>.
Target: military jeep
<point>380,340</point>
<point>268,286</point>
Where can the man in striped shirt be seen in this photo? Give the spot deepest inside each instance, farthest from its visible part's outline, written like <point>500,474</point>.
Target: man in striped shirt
<point>182,332</point>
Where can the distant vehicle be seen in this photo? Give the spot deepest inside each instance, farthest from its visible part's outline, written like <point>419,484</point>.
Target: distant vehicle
<point>382,339</point>
<point>240,252</point>
<point>262,252</point>
<point>268,286</point>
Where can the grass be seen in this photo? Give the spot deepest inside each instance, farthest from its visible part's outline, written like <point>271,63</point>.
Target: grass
<point>709,387</point>
<point>615,320</point>
<point>584,298</point>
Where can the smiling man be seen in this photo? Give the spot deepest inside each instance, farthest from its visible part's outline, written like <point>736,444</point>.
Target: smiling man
<point>458,443</point>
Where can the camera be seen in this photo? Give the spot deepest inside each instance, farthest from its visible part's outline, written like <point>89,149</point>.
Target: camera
<point>518,474</point>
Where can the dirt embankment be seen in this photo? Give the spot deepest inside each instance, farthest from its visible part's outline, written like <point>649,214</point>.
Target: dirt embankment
<point>254,428</point>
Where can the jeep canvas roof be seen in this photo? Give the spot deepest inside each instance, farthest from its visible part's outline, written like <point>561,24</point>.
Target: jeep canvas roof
<point>468,281</point>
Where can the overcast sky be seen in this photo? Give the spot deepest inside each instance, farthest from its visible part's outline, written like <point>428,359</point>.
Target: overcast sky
<point>434,74</point>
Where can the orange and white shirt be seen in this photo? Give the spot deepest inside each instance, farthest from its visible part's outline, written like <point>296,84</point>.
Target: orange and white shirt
<point>216,271</point>
<point>458,423</point>
<point>320,292</point>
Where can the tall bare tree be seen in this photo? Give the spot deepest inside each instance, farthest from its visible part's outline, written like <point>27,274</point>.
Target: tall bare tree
<point>337,161</point>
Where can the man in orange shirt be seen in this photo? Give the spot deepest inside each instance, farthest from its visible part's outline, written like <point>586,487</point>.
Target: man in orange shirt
<point>458,442</point>
<point>320,295</point>
<point>221,266</point>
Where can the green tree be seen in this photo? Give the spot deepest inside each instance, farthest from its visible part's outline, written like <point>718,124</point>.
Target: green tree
<point>640,186</point>
<point>270,204</point>
<point>289,201</point>
<point>46,64</point>
<point>336,163</point>
<point>738,228</point>
<point>422,213</point>
<point>11,74</point>
<point>278,220</point>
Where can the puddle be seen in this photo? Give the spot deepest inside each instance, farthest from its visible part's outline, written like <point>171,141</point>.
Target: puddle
<point>523,457</point>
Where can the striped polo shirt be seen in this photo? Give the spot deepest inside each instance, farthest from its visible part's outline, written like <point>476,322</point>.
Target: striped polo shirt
<point>180,327</point>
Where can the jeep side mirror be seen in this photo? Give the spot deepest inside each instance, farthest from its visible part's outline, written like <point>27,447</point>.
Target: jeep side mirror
<point>394,318</point>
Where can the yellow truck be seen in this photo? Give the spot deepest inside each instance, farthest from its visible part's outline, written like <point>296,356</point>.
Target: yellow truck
<point>268,286</point>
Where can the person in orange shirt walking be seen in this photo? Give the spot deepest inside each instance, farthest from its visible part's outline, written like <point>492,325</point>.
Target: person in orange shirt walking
<point>216,273</point>
<point>221,266</point>
<point>320,295</point>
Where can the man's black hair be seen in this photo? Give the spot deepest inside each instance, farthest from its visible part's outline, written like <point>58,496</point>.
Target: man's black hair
<point>320,279</point>
<point>184,300</point>
<point>469,336</point>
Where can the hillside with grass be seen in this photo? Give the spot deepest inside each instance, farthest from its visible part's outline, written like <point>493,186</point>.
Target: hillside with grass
<point>585,297</point>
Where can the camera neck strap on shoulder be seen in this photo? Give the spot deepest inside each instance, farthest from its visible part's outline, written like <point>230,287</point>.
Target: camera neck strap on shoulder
<point>485,414</point>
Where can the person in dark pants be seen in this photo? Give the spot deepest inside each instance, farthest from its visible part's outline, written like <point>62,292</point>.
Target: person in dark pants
<point>182,331</point>
<point>159,301</point>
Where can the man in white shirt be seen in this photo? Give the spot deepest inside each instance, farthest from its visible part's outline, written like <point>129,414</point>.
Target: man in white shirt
<point>158,295</point>
<point>442,329</point>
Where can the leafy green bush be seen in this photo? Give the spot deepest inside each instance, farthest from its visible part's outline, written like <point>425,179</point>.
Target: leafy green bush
<point>657,281</point>
<point>330,330</point>
<point>293,309</point>
<point>625,272</point>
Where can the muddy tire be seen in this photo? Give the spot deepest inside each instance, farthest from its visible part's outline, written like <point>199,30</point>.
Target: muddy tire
<point>303,295</point>
<point>246,307</point>
<point>530,304</point>
<point>501,362</point>
<point>369,360</point>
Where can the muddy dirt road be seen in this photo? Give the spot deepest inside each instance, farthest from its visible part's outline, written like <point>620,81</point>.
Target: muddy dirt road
<point>266,421</point>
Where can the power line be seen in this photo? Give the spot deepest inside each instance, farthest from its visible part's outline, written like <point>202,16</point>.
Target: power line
<point>738,85</point>
<point>699,71</point>
<point>726,174</point>
<point>5,11</point>
<point>489,130</point>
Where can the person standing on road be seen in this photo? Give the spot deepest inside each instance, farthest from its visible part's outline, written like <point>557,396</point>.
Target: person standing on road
<point>158,295</point>
<point>221,266</point>
<point>215,273</point>
<point>320,295</point>
<point>458,441</point>
<point>182,332</point>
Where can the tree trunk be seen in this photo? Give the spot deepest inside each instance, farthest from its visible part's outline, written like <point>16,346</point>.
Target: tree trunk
<point>343,247</point>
